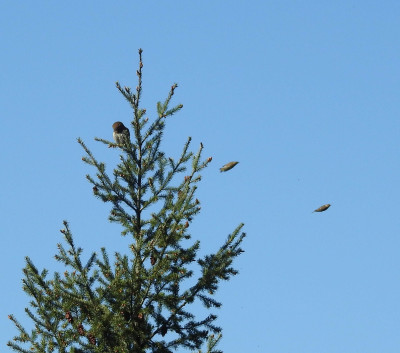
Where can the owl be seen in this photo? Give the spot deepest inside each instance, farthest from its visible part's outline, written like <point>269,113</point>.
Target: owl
<point>121,133</point>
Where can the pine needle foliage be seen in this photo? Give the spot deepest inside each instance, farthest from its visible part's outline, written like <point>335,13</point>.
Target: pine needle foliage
<point>140,301</point>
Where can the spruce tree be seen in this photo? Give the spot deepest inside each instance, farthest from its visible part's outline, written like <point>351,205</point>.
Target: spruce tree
<point>140,301</point>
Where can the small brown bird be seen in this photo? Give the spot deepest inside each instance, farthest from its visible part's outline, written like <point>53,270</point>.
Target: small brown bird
<point>322,208</point>
<point>228,166</point>
<point>121,133</point>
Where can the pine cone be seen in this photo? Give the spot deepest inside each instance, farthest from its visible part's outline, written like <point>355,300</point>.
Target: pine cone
<point>91,338</point>
<point>81,330</point>
<point>69,317</point>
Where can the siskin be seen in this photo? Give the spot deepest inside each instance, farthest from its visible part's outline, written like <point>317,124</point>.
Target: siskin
<point>322,208</point>
<point>228,166</point>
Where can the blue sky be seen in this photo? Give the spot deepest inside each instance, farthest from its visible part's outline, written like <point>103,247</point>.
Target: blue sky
<point>303,93</point>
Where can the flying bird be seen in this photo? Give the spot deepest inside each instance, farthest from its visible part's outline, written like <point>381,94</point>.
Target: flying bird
<point>228,166</point>
<point>322,208</point>
<point>121,133</point>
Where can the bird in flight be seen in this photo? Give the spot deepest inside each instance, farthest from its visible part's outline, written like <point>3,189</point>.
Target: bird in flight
<point>228,166</point>
<point>322,208</point>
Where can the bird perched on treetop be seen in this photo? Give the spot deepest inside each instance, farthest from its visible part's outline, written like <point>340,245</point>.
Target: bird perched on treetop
<point>228,166</point>
<point>121,133</point>
<point>322,208</point>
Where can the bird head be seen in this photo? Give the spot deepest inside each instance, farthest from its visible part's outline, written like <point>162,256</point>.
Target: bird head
<point>118,126</point>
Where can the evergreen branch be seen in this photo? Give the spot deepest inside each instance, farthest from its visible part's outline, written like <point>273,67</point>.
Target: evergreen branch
<point>163,185</point>
<point>139,86</point>
<point>212,343</point>
<point>126,92</point>
<point>157,126</point>
<point>106,184</point>
<point>17,348</point>
<point>162,108</point>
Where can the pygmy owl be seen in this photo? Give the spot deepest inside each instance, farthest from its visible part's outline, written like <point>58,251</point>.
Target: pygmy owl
<point>121,133</point>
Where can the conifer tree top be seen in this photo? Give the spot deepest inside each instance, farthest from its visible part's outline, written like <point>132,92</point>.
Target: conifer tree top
<point>142,300</point>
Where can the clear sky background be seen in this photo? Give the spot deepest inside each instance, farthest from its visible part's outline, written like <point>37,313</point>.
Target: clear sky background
<point>304,94</point>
